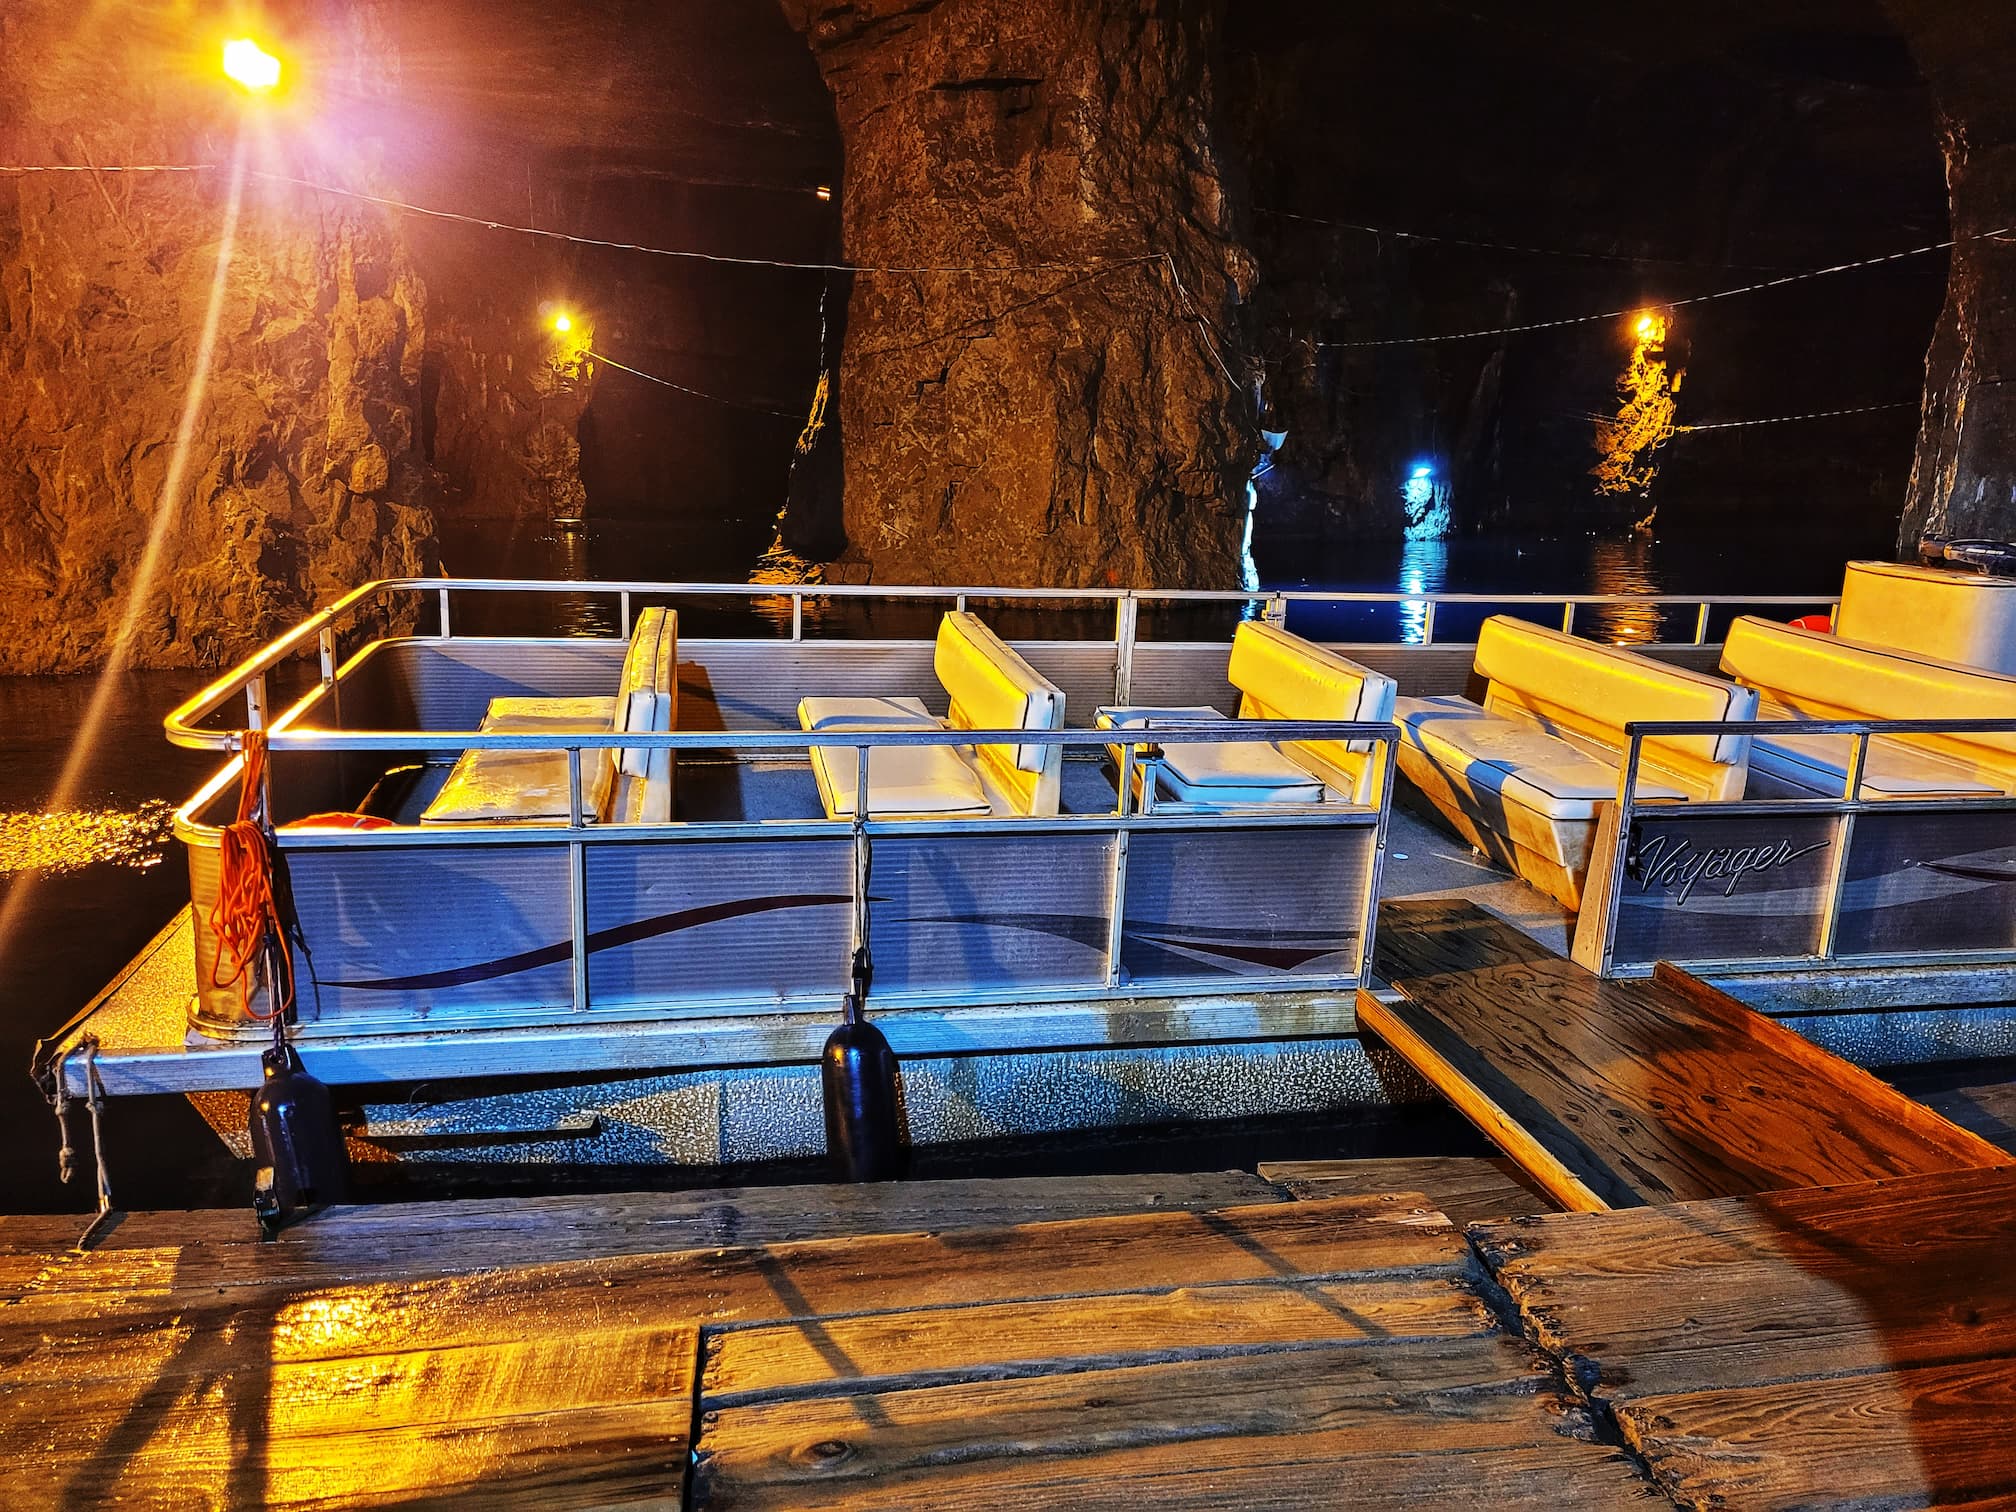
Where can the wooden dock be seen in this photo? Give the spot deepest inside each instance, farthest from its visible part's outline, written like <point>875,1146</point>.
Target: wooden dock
<point>1213,1340</point>
<point>1611,1094</point>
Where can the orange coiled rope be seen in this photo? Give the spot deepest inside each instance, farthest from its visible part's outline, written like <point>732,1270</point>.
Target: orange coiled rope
<point>246,916</point>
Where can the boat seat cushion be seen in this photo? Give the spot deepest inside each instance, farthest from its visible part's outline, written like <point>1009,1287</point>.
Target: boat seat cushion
<point>915,782</point>
<point>501,787</point>
<point>1217,772</point>
<point>646,696</point>
<point>1519,763</point>
<point>1593,691</point>
<point>1967,619</point>
<point>1819,763</point>
<point>1821,676</point>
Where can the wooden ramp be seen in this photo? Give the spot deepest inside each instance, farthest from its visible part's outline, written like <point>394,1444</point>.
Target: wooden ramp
<point>1848,1346</point>
<point>1626,1093</point>
<point>1304,1353</point>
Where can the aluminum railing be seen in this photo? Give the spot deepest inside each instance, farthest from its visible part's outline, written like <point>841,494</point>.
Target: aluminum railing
<point>320,630</point>
<point>1846,807</point>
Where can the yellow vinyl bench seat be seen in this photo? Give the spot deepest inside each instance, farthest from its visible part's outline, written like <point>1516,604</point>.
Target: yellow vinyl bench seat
<point>989,687</point>
<point>1526,776</point>
<point>628,785</point>
<point>1808,674</point>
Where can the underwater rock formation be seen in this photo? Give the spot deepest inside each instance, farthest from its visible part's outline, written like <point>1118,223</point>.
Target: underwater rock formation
<point>1964,480</point>
<point>303,475</point>
<point>1071,422</point>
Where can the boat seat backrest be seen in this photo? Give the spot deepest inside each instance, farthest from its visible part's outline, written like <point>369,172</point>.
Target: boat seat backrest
<point>1283,676</point>
<point>1821,676</point>
<point>647,700</point>
<point>992,688</point>
<point>1587,693</point>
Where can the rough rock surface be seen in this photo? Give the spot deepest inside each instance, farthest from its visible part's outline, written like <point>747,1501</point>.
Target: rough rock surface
<point>303,475</point>
<point>1964,481</point>
<point>1065,425</point>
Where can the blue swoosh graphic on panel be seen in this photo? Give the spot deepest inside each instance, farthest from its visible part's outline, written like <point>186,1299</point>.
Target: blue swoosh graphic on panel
<point>601,939</point>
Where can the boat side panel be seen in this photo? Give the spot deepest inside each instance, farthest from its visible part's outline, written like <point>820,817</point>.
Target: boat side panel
<point>1929,882</point>
<point>1259,904</point>
<point>954,916</point>
<point>719,920</point>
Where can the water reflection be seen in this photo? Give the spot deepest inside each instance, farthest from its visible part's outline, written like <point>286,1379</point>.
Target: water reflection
<point>1621,566</point>
<point>585,614</point>
<point>70,839</point>
<point>1424,568</point>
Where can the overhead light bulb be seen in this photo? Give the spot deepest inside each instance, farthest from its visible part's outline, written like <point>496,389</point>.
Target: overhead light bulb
<point>563,323</point>
<point>249,64</point>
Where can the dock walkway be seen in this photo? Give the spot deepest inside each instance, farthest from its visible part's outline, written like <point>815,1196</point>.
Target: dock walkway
<point>1195,1341</point>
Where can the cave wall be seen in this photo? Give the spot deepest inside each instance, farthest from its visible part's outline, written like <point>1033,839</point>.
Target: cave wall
<point>1067,426</point>
<point>1964,480</point>
<point>303,475</point>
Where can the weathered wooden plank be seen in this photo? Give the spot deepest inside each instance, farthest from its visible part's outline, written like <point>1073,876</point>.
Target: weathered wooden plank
<point>894,1351</point>
<point>470,1233</point>
<point>1465,1189</point>
<point>137,1292</point>
<point>1784,1286</point>
<point>586,1419</point>
<point>1625,1093</point>
<point>1931,1437</point>
<point>1380,1424</point>
<point>1424,937</point>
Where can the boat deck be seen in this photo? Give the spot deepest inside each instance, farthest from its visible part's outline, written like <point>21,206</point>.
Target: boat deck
<point>1194,1341</point>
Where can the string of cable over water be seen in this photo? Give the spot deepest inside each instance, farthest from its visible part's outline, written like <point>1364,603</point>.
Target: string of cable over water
<point>1679,304</point>
<point>1859,409</point>
<point>759,409</point>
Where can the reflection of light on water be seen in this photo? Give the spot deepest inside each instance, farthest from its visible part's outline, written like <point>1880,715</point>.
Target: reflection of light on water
<point>1623,566</point>
<point>589,614</point>
<point>71,839</point>
<point>1424,568</point>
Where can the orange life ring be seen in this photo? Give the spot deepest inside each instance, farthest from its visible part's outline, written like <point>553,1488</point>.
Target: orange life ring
<point>339,821</point>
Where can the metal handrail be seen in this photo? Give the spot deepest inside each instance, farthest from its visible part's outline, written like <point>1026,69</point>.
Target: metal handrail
<point>247,678</point>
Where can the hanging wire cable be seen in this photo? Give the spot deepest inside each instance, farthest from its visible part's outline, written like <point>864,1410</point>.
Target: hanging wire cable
<point>760,409</point>
<point>1860,409</point>
<point>1496,246</point>
<point>1679,304</point>
<point>109,168</point>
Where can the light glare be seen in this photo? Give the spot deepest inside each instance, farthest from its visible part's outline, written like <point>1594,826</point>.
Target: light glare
<point>563,323</point>
<point>251,65</point>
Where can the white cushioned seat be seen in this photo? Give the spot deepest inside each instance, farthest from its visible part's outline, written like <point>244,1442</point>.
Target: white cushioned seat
<point>492,787</point>
<point>1819,763</point>
<point>1283,676</point>
<point>988,687</point>
<point>1527,776</point>
<point>1217,772</point>
<point>914,782</point>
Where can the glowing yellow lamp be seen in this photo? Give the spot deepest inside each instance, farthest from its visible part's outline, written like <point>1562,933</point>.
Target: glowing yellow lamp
<point>1647,324</point>
<point>563,323</point>
<point>251,65</point>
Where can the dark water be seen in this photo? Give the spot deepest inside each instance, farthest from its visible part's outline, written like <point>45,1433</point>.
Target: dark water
<point>103,877</point>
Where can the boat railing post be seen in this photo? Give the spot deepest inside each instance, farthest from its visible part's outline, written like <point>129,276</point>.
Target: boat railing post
<point>797,614</point>
<point>1627,787</point>
<point>1428,622</point>
<point>1126,626</point>
<point>325,645</point>
<point>1844,835</point>
<point>255,703</point>
<point>623,615</point>
<point>1568,617</point>
<point>1701,625</point>
<point>1368,922</point>
<point>1116,893</point>
<point>446,629</point>
<point>577,884</point>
